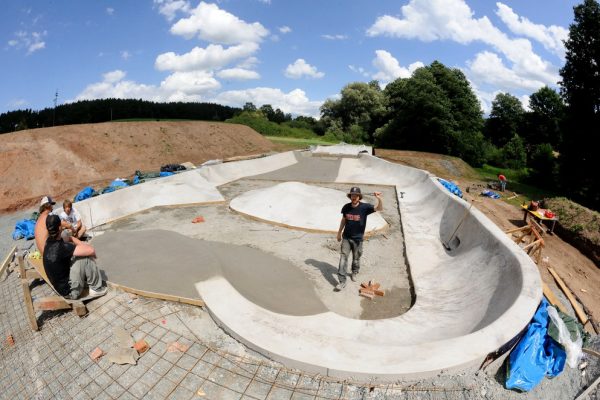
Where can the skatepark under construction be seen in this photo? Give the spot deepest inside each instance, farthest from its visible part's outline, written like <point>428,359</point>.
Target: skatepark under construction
<point>264,262</point>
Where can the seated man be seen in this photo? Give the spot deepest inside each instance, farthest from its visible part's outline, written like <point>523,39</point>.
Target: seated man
<point>70,265</point>
<point>71,220</point>
<point>40,232</point>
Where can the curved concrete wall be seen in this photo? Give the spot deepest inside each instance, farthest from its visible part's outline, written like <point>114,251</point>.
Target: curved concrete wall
<point>469,301</point>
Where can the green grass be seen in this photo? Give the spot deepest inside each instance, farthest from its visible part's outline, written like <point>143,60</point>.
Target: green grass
<point>298,141</point>
<point>516,182</point>
<point>268,128</point>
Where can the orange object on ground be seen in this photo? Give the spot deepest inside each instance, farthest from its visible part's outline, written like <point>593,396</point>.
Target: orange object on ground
<point>176,346</point>
<point>370,289</point>
<point>96,354</point>
<point>10,340</point>
<point>141,346</point>
<point>198,219</point>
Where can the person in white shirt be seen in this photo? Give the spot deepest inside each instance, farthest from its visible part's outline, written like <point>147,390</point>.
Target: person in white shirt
<point>71,220</point>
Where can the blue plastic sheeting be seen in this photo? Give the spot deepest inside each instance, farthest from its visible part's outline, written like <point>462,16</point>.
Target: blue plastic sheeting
<point>114,185</point>
<point>86,193</point>
<point>491,194</point>
<point>536,355</point>
<point>452,188</point>
<point>165,173</point>
<point>24,229</point>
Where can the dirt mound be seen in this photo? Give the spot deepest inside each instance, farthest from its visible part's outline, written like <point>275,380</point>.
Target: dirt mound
<point>446,167</point>
<point>61,160</point>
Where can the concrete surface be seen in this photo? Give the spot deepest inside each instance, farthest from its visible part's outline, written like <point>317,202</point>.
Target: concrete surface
<point>469,301</point>
<point>302,206</point>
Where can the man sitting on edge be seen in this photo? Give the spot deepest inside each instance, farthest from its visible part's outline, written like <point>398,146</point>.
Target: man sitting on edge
<point>40,233</point>
<point>70,265</point>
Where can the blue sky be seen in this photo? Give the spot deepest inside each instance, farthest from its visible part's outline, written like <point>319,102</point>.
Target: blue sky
<point>290,54</point>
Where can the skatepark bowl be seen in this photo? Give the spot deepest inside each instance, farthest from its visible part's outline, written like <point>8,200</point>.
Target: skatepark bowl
<point>264,262</point>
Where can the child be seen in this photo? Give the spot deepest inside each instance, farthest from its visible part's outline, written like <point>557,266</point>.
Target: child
<point>71,220</point>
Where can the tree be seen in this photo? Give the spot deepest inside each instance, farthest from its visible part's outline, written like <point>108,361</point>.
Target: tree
<point>361,104</point>
<point>506,117</point>
<point>543,123</point>
<point>580,87</point>
<point>249,106</point>
<point>434,110</point>
<point>513,153</point>
<point>268,111</point>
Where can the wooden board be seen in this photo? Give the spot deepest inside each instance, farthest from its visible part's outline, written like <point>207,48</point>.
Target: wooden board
<point>154,295</point>
<point>7,260</point>
<point>552,298</point>
<point>580,314</point>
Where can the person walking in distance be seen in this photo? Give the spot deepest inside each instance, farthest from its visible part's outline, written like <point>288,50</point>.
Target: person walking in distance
<point>352,231</point>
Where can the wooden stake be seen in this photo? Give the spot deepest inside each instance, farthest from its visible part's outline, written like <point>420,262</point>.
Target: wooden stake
<point>552,298</point>
<point>580,314</point>
<point>7,260</point>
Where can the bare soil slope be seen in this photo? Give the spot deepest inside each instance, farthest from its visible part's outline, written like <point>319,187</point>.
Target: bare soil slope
<point>60,161</point>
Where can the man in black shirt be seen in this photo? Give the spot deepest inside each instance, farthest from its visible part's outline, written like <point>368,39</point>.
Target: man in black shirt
<point>70,265</point>
<point>353,224</point>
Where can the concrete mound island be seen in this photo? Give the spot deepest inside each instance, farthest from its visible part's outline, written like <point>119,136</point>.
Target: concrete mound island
<point>471,296</point>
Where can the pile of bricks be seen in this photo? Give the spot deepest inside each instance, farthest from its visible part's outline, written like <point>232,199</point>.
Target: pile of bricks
<point>370,290</point>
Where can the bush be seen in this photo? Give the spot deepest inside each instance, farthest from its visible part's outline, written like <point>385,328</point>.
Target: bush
<point>257,121</point>
<point>544,166</point>
<point>513,153</point>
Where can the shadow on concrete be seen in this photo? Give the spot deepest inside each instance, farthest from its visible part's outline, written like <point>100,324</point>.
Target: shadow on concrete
<point>329,271</point>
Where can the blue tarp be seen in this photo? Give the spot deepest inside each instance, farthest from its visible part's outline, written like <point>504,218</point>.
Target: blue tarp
<point>536,355</point>
<point>114,185</point>
<point>452,188</point>
<point>86,193</point>
<point>165,173</point>
<point>491,194</point>
<point>24,229</point>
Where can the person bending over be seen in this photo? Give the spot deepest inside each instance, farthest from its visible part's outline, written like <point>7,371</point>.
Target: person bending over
<point>70,266</point>
<point>352,225</point>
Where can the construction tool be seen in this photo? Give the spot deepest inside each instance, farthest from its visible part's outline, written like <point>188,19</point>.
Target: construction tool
<point>447,244</point>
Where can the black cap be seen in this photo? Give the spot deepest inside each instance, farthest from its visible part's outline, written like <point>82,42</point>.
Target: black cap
<point>354,190</point>
<point>52,224</point>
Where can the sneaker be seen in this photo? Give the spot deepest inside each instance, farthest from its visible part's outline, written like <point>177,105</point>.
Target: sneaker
<point>340,286</point>
<point>353,276</point>
<point>98,293</point>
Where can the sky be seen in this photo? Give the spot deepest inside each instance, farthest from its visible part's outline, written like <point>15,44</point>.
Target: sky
<point>291,54</point>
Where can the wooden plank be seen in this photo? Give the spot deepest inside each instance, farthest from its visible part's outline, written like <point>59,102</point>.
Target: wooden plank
<point>79,308</point>
<point>552,298</point>
<point>38,265</point>
<point>7,260</point>
<point>588,390</point>
<point>161,296</point>
<point>29,274</point>
<point>29,305</point>
<point>580,314</point>
<point>517,229</point>
<point>531,244</point>
<point>51,303</point>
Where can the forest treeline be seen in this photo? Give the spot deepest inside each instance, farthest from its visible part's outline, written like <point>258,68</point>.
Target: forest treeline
<point>103,110</point>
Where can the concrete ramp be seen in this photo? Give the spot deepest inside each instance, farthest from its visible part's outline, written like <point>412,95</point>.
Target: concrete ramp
<point>469,301</point>
<point>300,206</point>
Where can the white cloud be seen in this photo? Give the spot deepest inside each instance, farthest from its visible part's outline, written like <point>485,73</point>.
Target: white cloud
<point>359,70</point>
<point>430,20</point>
<point>334,37</point>
<point>249,63</point>
<point>301,68</point>
<point>16,103</point>
<point>170,8</point>
<point>209,22</point>
<point>239,74</point>
<point>550,37</point>
<point>32,41</point>
<point>389,69</point>
<point>285,29</point>
<point>213,56</point>
<point>190,82</point>
<point>113,76</point>
<point>294,102</point>
<point>125,55</point>
<point>487,67</point>
<point>179,86</point>
<point>110,10</point>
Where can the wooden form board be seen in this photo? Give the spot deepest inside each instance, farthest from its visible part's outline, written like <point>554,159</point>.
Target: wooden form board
<point>7,260</point>
<point>154,295</point>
